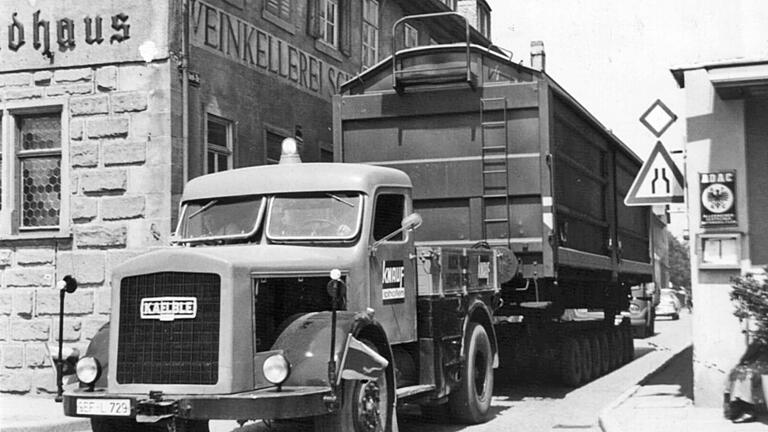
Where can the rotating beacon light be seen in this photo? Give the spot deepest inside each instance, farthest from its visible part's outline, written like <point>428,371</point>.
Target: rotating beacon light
<point>289,152</point>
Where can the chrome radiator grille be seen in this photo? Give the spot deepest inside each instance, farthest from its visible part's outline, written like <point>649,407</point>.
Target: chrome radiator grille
<point>179,351</point>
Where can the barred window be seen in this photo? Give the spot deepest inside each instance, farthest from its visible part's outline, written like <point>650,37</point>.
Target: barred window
<point>39,161</point>
<point>370,33</point>
<point>219,147</point>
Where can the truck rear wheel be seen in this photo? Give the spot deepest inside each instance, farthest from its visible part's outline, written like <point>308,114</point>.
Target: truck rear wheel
<point>472,400</point>
<point>597,355</point>
<point>614,336</point>
<point>570,362</point>
<point>110,424</point>
<point>587,359</point>
<point>366,406</point>
<point>605,351</point>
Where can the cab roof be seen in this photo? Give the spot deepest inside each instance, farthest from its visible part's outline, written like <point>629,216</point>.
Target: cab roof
<point>290,178</point>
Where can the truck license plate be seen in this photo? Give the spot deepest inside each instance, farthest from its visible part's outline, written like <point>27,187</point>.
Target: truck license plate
<point>109,407</point>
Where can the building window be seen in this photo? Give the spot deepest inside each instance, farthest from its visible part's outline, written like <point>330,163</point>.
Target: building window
<point>279,8</point>
<point>411,36</point>
<point>274,140</point>
<point>370,33</point>
<point>33,182</point>
<point>329,22</point>
<point>484,21</point>
<point>219,144</point>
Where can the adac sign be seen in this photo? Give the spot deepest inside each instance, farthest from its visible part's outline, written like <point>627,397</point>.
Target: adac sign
<point>718,198</point>
<point>47,34</point>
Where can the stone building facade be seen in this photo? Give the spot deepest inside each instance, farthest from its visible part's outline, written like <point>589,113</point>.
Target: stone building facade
<point>107,109</point>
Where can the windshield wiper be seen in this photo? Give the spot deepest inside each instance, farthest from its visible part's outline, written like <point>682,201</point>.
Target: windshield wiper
<point>203,208</point>
<point>339,199</point>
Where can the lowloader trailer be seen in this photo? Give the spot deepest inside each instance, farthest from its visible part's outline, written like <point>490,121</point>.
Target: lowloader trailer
<point>501,156</point>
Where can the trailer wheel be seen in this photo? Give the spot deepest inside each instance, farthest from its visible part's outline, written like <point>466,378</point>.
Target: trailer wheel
<point>570,362</point>
<point>471,402</point>
<point>366,406</point>
<point>129,425</point>
<point>628,344</point>
<point>587,359</point>
<point>616,347</point>
<point>597,355</point>
<point>605,351</point>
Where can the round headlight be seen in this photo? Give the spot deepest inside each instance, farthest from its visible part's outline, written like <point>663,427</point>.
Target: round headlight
<point>276,369</point>
<point>88,370</point>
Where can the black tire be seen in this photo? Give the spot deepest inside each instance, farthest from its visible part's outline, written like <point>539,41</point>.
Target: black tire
<point>652,325</point>
<point>597,355</point>
<point>628,345</point>
<point>111,424</point>
<point>587,359</point>
<point>356,414</point>
<point>616,347</point>
<point>470,403</point>
<point>570,362</point>
<point>605,352</point>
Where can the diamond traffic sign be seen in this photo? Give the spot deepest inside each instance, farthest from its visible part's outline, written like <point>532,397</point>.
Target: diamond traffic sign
<point>658,118</point>
<point>659,181</point>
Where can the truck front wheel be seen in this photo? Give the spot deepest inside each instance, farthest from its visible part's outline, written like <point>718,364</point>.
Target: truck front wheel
<point>472,400</point>
<point>366,407</point>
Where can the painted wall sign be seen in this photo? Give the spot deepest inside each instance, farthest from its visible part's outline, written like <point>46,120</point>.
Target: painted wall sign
<point>393,282</point>
<point>718,198</point>
<point>235,39</point>
<point>58,33</point>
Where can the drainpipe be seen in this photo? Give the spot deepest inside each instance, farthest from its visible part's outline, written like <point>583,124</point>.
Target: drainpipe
<point>185,93</point>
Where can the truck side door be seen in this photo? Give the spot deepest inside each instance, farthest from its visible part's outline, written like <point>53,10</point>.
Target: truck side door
<point>393,274</point>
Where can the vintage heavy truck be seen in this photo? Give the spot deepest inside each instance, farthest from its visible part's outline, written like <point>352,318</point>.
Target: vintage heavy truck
<point>304,290</point>
<point>247,316</point>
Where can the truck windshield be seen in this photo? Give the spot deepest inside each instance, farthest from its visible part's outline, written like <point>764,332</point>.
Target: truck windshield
<point>221,218</point>
<point>318,216</point>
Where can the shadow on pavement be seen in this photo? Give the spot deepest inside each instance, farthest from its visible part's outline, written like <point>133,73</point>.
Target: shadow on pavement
<point>678,372</point>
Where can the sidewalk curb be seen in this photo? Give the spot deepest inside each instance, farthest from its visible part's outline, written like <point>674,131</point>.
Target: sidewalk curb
<point>605,419</point>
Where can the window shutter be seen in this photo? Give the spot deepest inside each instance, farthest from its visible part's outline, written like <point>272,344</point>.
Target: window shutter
<point>345,36</point>
<point>313,18</point>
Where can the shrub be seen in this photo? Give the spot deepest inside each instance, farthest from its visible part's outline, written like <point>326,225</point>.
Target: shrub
<point>750,295</point>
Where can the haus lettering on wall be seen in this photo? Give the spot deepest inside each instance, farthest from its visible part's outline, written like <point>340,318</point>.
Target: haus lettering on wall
<point>59,33</point>
<point>233,38</point>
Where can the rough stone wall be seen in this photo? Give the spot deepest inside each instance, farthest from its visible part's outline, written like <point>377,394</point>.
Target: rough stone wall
<point>119,120</point>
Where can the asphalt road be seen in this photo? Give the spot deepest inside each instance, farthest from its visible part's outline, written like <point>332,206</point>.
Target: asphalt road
<point>537,405</point>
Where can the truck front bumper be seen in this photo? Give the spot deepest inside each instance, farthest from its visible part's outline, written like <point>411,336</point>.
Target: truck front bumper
<point>288,402</point>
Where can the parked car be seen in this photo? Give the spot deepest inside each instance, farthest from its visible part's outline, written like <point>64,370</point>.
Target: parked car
<point>669,305</point>
<point>642,315</point>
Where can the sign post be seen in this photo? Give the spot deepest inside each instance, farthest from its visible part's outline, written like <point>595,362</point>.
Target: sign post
<point>659,181</point>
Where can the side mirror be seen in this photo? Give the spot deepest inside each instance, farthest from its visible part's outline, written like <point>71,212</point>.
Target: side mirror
<point>412,221</point>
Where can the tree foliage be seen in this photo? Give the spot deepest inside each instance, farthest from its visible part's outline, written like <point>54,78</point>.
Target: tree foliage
<point>679,264</point>
<point>750,295</point>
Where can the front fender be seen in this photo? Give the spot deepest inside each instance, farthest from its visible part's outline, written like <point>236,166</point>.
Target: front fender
<point>99,349</point>
<point>306,344</point>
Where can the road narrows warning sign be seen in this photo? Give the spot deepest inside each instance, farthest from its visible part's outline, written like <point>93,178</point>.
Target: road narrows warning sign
<point>659,181</point>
